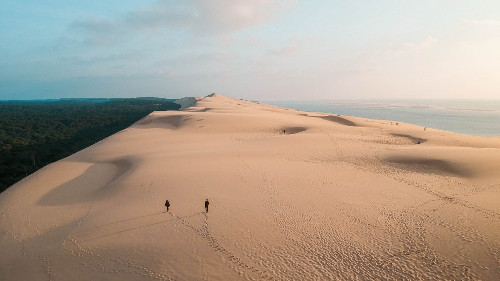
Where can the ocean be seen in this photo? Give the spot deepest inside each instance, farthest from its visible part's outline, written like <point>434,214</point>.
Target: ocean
<point>470,117</point>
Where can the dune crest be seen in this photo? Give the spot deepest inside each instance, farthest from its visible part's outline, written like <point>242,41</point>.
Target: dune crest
<point>291,198</point>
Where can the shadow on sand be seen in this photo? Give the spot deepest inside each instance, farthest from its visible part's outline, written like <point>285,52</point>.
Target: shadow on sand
<point>95,182</point>
<point>111,223</point>
<point>174,218</point>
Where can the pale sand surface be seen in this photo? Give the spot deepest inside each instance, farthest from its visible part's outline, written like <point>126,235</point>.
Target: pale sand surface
<point>294,196</point>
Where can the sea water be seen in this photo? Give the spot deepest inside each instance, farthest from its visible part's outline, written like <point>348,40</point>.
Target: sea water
<point>471,117</point>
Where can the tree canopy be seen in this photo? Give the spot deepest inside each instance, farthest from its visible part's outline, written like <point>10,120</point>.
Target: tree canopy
<point>36,133</point>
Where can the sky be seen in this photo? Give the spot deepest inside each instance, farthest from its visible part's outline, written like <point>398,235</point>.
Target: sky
<point>259,50</point>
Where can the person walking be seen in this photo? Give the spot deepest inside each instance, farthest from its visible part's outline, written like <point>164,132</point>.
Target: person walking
<point>167,204</point>
<point>206,205</point>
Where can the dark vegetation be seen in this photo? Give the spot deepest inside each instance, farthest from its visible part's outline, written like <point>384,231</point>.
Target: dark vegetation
<point>36,133</point>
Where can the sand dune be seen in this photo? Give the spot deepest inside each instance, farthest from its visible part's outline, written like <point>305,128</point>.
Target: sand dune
<point>294,196</point>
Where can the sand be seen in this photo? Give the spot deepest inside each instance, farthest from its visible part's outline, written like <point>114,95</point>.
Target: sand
<point>293,196</point>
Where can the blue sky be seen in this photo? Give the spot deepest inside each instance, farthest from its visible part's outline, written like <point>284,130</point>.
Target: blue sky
<point>261,49</point>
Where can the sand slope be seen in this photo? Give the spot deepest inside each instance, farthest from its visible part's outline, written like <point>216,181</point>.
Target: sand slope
<point>294,196</point>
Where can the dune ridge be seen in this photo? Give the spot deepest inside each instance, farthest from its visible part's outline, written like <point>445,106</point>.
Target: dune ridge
<point>293,196</point>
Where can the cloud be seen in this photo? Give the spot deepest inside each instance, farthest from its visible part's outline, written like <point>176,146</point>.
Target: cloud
<point>289,49</point>
<point>410,47</point>
<point>205,18</point>
<point>95,31</point>
<point>423,44</point>
<point>217,16</point>
<point>196,59</point>
<point>253,41</point>
<point>97,59</point>
<point>482,22</point>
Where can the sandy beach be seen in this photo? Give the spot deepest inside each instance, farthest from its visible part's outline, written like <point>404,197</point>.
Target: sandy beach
<point>293,196</point>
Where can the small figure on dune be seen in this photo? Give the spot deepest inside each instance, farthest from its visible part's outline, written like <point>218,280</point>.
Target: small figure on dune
<point>167,204</point>
<point>425,128</point>
<point>206,205</point>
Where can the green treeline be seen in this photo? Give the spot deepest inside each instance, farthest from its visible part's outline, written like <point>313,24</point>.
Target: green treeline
<point>36,133</point>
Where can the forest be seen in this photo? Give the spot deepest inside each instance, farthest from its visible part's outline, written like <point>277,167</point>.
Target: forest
<point>34,134</point>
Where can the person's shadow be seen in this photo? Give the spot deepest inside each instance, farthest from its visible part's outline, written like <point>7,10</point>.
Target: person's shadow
<point>128,228</point>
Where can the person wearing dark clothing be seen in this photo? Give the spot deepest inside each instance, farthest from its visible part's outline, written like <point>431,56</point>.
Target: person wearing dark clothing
<point>167,204</point>
<point>206,205</point>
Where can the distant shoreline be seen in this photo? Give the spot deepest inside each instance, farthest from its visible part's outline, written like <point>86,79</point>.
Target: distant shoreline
<point>476,118</point>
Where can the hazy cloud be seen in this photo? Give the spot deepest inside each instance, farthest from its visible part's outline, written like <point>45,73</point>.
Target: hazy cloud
<point>410,47</point>
<point>483,22</point>
<point>213,16</point>
<point>423,44</point>
<point>292,47</point>
<point>254,41</point>
<point>96,59</point>
<point>96,31</point>
<point>203,17</point>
